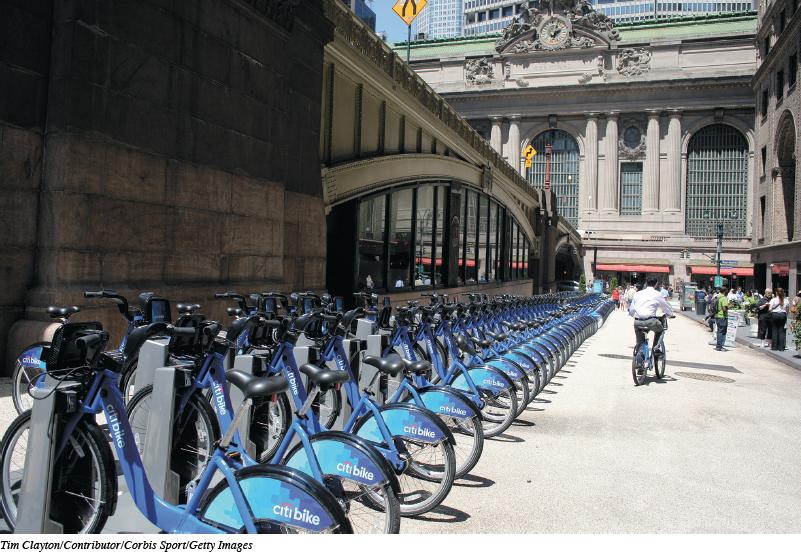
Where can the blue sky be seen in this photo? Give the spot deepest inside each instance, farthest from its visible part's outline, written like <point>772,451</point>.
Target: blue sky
<point>387,21</point>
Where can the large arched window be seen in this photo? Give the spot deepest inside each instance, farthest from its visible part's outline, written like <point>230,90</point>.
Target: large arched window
<point>717,182</point>
<point>564,170</point>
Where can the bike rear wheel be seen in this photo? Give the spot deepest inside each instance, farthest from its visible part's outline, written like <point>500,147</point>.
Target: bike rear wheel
<point>84,477</point>
<point>660,360</point>
<point>428,477</point>
<point>499,412</point>
<point>469,437</point>
<point>272,493</point>
<point>638,367</point>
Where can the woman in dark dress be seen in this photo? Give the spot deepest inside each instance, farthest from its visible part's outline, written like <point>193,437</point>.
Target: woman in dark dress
<point>763,312</point>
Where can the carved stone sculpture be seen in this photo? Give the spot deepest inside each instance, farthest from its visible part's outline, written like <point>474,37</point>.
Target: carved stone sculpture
<point>633,61</point>
<point>479,71</point>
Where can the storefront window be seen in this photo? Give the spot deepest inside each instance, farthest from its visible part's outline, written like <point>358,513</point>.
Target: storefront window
<point>493,242</point>
<point>424,257</point>
<point>439,275</point>
<point>483,227</point>
<point>371,243</point>
<point>510,258</point>
<point>471,271</point>
<point>400,239</point>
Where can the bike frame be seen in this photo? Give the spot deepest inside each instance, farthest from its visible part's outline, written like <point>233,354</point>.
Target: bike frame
<point>104,395</point>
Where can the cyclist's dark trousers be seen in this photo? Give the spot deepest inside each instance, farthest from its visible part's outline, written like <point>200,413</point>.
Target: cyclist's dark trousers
<point>652,324</point>
<point>723,325</point>
<point>779,335</point>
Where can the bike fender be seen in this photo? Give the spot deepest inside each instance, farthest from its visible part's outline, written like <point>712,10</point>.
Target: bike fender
<point>507,366</point>
<point>344,455</point>
<point>269,498</point>
<point>445,401</point>
<point>488,378</point>
<point>34,357</point>
<point>405,420</point>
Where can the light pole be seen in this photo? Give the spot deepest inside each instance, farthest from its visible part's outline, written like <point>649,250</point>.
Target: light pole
<point>720,250</point>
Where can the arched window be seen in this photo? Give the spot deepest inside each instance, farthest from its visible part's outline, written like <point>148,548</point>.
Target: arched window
<point>564,170</point>
<point>717,182</point>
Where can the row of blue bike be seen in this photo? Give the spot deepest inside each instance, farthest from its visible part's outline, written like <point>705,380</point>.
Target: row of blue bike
<point>298,416</point>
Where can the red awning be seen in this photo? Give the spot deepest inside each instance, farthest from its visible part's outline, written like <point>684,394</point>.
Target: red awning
<point>724,271</point>
<point>427,261</point>
<point>632,268</point>
<point>780,269</point>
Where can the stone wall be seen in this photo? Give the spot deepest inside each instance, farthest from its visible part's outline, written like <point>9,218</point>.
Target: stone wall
<point>24,66</point>
<point>181,154</point>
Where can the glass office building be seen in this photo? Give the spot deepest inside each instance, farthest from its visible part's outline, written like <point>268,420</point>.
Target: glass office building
<point>440,19</point>
<point>624,11</point>
<point>489,16</point>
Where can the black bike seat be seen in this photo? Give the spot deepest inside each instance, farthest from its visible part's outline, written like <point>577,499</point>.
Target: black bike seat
<point>500,336</point>
<point>324,377</point>
<point>416,366</point>
<point>483,343</point>
<point>391,364</point>
<point>465,345</point>
<point>62,312</point>
<point>187,308</point>
<point>254,387</point>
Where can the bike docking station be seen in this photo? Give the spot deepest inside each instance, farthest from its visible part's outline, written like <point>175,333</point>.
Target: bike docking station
<point>167,381</point>
<point>53,402</point>
<point>153,355</point>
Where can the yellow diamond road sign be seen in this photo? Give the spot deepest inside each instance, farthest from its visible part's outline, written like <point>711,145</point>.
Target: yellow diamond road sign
<point>529,152</point>
<point>409,9</point>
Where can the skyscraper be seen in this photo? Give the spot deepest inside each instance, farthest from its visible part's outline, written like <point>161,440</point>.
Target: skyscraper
<point>489,16</point>
<point>440,19</point>
<point>623,11</point>
<point>362,11</point>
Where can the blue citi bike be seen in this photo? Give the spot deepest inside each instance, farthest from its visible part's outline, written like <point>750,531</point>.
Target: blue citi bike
<point>252,499</point>
<point>645,359</point>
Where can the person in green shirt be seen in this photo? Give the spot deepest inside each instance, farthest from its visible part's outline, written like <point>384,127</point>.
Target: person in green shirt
<point>722,317</point>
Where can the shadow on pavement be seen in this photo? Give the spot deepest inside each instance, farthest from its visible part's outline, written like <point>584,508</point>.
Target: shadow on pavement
<point>473,482</point>
<point>503,438</point>
<point>444,514</point>
<point>525,423</point>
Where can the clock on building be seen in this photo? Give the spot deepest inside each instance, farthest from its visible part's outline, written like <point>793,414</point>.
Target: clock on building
<point>554,32</point>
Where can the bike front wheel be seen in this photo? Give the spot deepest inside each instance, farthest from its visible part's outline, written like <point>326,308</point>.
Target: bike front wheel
<point>84,489</point>
<point>660,360</point>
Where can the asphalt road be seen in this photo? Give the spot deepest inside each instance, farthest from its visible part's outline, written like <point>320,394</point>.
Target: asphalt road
<point>595,454</point>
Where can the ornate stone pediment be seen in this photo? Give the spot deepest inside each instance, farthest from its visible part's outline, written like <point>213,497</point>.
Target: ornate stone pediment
<point>557,25</point>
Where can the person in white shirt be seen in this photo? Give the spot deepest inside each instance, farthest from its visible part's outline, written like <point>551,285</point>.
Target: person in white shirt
<point>644,306</point>
<point>664,293</point>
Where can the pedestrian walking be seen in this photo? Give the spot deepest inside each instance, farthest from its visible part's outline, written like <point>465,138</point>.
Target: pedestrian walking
<point>711,304</point>
<point>616,297</point>
<point>763,317</point>
<point>629,296</point>
<point>778,320</point>
<point>721,318</point>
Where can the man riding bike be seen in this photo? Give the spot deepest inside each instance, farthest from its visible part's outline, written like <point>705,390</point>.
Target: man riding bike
<point>643,308</point>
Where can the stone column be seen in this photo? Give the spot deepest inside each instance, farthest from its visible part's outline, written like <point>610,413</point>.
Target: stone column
<point>608,193</point>
<point>496,134</point>
<point>514,141</point>
<point>670,193</point>
<point>590,180</point>
<point>650,193</point>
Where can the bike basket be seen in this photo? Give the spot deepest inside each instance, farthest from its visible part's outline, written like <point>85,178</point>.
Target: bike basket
<point>64,352</point>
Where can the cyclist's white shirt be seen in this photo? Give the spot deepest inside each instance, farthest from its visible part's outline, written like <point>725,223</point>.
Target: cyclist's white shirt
<point>646,302</point>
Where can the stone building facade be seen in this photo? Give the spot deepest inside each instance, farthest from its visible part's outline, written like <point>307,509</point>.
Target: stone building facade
<point>776,198</point>
<point>650,124</point>
<point>156,146</point>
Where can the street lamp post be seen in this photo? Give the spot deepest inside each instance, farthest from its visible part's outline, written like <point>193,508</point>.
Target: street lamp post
<point>720,249</point>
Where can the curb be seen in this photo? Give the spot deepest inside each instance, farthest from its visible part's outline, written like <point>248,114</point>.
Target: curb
<point>750,345</point>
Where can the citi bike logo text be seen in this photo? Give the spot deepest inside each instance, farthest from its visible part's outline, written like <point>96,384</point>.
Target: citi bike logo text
<point>292,382</point>
<point>31,361</point>
<point>493,382</point>
<point>448,409</point>
<point>289,511</point>
<point>219,397</point>
<point>419,431</point>
<point>355,470</point>
<point>406,350</point>
<point>113,420</point>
